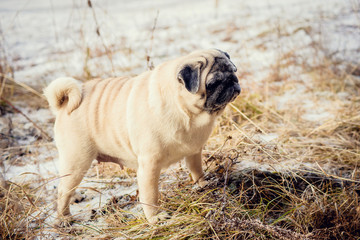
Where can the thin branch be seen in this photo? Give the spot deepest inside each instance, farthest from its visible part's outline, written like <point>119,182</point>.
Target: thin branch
<point>108,52</point>
<point>47,137</point>
<point>30,89</point>
<point>150,65</point>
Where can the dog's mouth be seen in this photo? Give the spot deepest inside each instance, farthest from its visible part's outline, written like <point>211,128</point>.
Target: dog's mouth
<point>228,95</point>
<point>223,94</point>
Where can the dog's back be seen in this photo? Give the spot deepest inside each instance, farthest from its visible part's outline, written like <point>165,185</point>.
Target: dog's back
<point>90,112</point>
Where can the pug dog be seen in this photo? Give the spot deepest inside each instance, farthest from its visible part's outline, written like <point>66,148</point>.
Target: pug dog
<point>147,122</point>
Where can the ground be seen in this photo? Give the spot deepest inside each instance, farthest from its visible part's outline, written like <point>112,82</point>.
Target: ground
<point>282,161</point>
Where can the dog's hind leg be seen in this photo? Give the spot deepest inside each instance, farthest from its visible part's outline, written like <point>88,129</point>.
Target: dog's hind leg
<point>74,163</point>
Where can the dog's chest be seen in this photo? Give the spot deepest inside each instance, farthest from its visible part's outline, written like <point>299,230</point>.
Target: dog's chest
<point>186,143</point>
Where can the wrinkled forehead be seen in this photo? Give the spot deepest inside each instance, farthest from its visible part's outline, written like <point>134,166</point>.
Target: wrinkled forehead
<point>216,60</point>
<point>222,64</point>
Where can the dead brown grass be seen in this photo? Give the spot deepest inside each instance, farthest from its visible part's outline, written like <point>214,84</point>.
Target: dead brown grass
<point>246,204</point>
<point>18,204</point>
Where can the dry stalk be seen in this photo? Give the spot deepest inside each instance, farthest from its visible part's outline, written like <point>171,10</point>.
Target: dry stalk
<point>108,51</point>
<point>44,134</point>
<point>23,85</point>
<point>149,63</point>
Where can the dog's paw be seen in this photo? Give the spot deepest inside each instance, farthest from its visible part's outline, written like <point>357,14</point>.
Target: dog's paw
<point>202,183</point>
<point>159,217</point>
<point>64,222</point>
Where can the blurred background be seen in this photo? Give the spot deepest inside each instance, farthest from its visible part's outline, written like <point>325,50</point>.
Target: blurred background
<point>42,40</point>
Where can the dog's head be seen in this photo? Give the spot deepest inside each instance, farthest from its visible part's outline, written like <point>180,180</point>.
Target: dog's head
<point>210,75</point>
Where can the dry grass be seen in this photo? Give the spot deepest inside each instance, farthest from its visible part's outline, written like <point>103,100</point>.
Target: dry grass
<point>315,201</point>
<point>23,210</point>
<point>248,204</point>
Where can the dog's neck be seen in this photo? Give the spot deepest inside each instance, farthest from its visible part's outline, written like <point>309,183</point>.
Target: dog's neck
<point>186,116</point>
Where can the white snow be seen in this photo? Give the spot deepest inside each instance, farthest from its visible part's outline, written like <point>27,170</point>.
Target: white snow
<point>268,137</point>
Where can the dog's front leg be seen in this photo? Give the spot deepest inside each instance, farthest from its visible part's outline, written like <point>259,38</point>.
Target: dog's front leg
<point>193,162</point>
<point>148,174</point>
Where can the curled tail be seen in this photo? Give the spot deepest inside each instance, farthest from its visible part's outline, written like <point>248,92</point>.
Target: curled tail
<point>64,93</point>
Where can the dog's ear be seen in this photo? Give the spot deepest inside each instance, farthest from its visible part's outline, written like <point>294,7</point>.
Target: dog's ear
<point>190,76</point>
<point>227,55</point>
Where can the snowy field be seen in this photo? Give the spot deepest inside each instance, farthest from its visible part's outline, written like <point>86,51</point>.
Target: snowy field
<point>274,44</point>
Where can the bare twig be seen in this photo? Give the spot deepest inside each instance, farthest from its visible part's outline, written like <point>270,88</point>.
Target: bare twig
<point>150,64</point>
<point>108,51</point>
<point>30,89</point>
<point>5,68</point>
<point>47,137</point>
